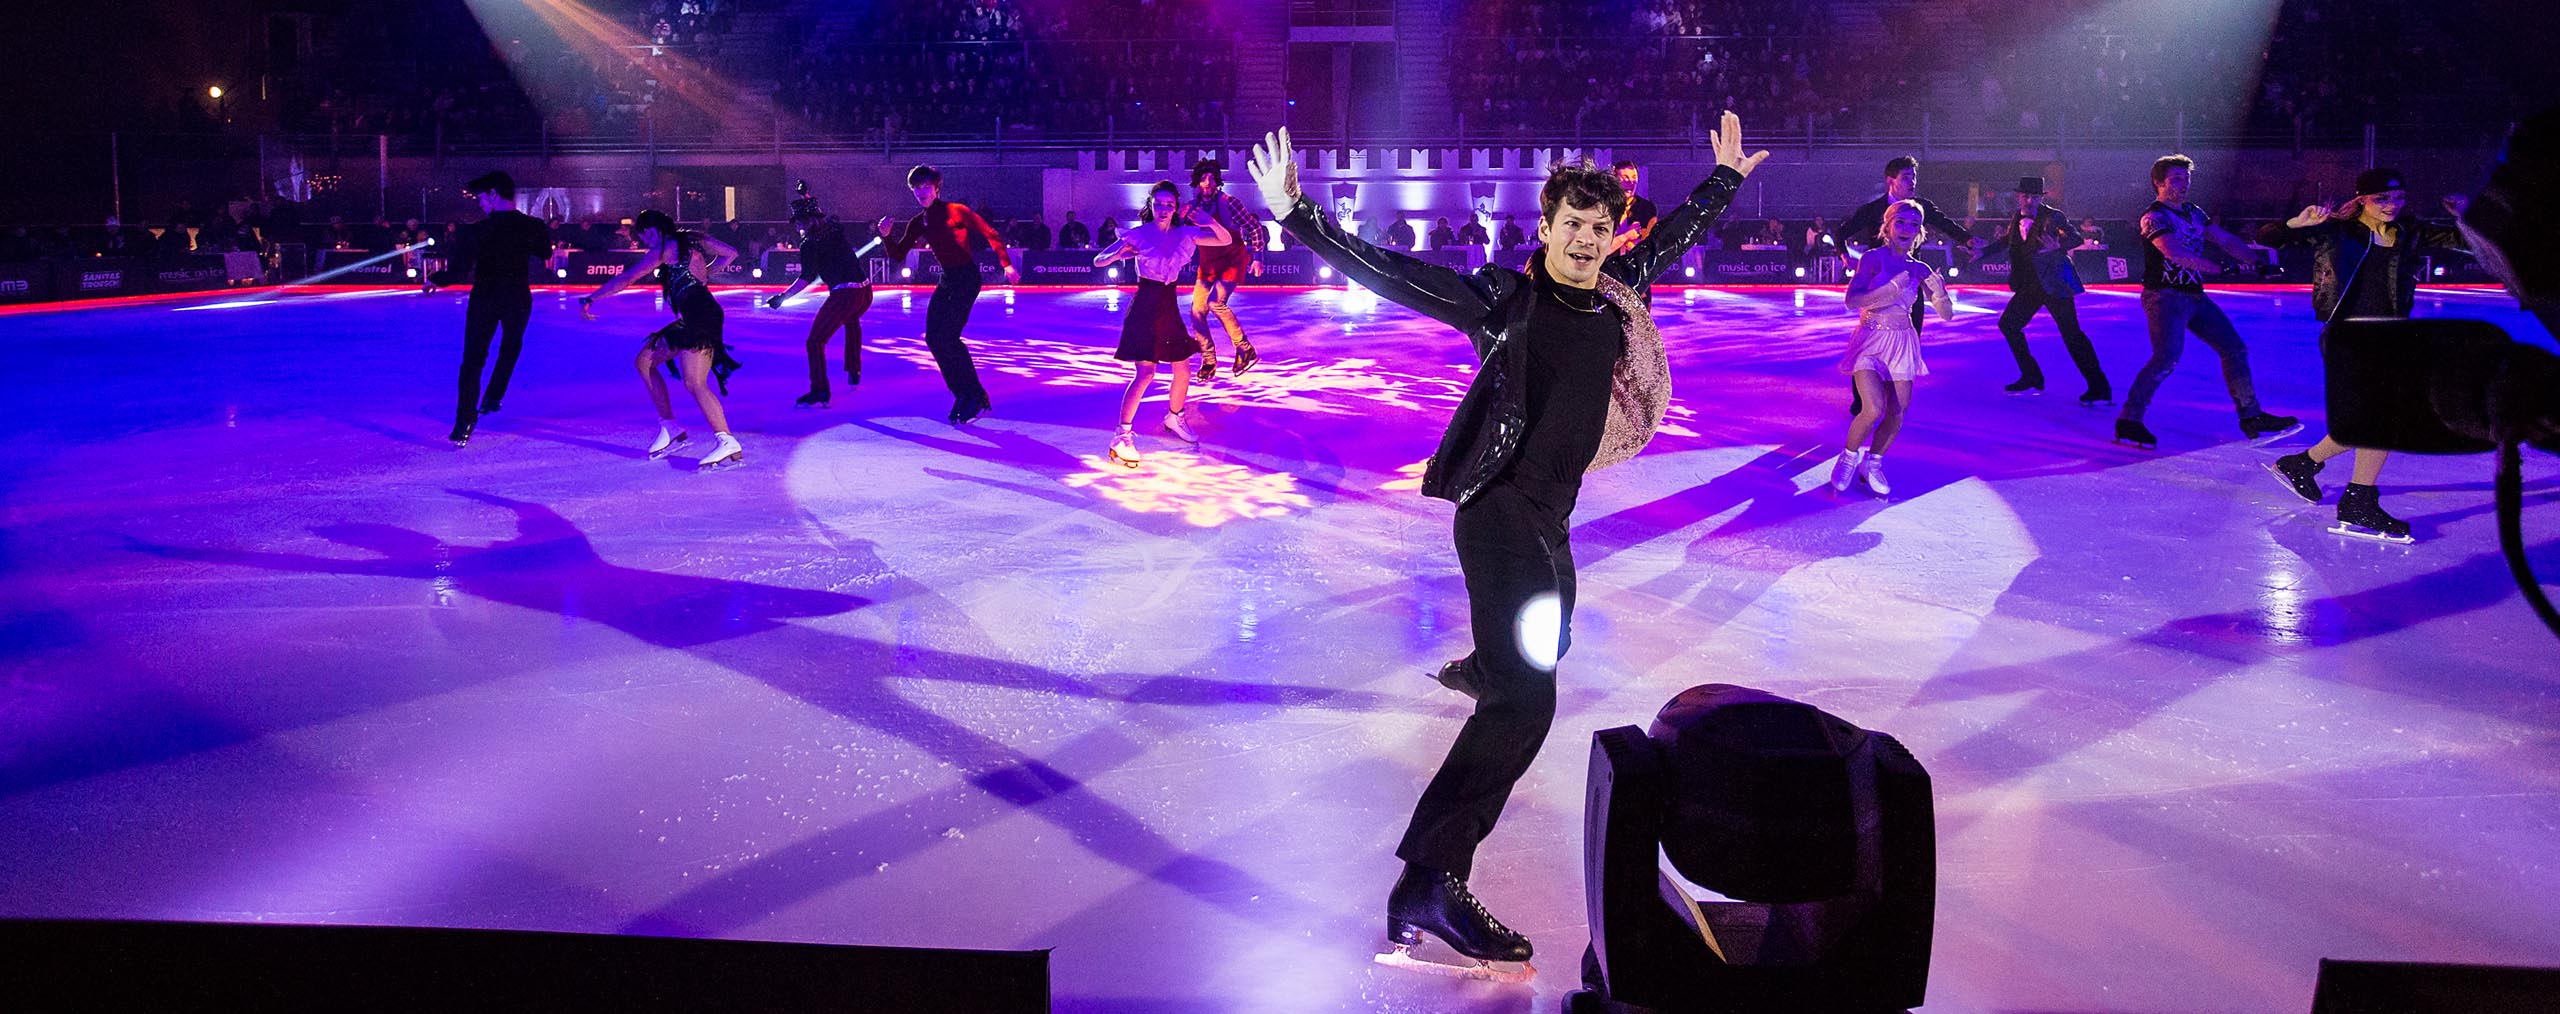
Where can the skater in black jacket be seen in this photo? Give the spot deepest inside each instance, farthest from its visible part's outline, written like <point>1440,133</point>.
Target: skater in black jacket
<point>2365,264</point>
<point>1573,378</point>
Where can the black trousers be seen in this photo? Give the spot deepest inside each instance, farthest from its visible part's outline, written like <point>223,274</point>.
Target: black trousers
<point>944,318</point>
<point>2066,319</point>
<point>483,318</point>
<point>1516,558</point>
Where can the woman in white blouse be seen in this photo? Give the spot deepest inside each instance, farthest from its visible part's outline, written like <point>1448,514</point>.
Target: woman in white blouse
<point>1154,331</point>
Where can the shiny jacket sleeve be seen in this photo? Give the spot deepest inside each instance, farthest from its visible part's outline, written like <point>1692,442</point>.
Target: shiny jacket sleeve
<point>1443,294</point>
<point>1674,235</point>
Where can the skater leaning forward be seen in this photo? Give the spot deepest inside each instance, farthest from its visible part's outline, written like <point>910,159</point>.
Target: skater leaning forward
<point>2365,264</point>
<point>1573,378</point>
<point>827,256</point>
<point>1153,332</point>
<point>1884,351</point>
<point>693,344</point>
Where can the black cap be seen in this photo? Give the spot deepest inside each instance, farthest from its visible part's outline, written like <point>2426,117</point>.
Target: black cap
<point>2031,185</point>
<point>495,181</point>
<point>2375,181</point>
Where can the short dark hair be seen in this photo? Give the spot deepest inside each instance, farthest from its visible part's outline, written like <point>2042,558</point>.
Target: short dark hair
<point>654,219</point>
<point>1207,167</point>
<point>495,182</point>
<point>1898,164</point>
<point>1580,184</point>
<point>922,175</point>
<point>2160,169</point>
<point>1624,163</point>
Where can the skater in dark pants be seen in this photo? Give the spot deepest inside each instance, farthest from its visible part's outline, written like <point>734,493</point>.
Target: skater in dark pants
<point>1572,378</point>
<point>694,343</point>
<point>2039,242</point>
<point>945,228</point>
<point>1222,268</point>
<point>2174,267</point>
<point>2365,264</point>
<point>1857,234</point>
<point>827,255</point>
<point>497,259</point>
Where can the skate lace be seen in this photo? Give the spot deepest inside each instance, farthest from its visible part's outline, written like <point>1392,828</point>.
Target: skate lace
<point>1459,888</point>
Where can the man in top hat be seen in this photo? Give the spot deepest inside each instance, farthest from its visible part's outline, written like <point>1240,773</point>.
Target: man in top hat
<point>827,256</point>
<point>497,258</point>
<point>2039,240</point>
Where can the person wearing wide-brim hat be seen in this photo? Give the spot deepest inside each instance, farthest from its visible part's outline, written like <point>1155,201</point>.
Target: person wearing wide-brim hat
<point>2039,240</point>
<point>2365,263</point>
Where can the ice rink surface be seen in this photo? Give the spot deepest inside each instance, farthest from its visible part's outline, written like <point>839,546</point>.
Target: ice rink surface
<point>275,651</point>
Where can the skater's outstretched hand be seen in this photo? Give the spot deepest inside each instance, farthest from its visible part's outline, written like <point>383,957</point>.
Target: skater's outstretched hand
<point>1012,275</point>
<point>1727,141</point>
<point>1275,171</point>
<point>2311,216</point>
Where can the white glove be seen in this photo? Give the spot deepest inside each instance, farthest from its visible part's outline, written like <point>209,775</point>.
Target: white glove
<point>1275,172</point>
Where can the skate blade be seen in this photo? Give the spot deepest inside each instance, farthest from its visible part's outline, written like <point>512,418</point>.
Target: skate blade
<point>1124,462</point>
<point>2286,481</point>
<point>2037,393</point>
<point>2137,443</point>
<point>2359,532</point>
<point>1481,971</point>
<point>2263,439</point>
<point>723,464</point>
<point>2100,403</point>
<point>808,404</point>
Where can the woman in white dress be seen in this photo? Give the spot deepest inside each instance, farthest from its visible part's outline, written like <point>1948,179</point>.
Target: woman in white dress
<point>1884,351</point>
<point>1154,332</point>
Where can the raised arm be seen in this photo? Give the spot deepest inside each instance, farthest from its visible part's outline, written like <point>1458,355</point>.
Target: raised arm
<point>1679,231</point>
<point>1431,290</point>
<point>896,240</point>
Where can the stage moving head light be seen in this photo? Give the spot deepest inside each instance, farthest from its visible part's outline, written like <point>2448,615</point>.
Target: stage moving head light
<point>1820,837</point>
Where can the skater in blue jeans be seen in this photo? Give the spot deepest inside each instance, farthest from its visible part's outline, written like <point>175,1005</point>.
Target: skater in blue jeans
<point>2174,267</point>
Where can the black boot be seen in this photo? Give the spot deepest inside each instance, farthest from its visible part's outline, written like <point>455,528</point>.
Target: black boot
<point>462,432</point>
<point>2136,434</point>
<point>1429,901</point>
<point>1455,676</point>
<point>2267,427</point>
<point>2300,474</point>
<point>2360,507</point>
<point>2026,386</point>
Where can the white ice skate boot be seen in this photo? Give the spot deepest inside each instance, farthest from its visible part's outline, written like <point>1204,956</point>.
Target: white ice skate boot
<point>725,453</point>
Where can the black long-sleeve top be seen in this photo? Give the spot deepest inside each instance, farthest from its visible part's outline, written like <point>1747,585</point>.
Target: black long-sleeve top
<point>827,257</point>
<point>1859,229</point>
<point>499,254</point>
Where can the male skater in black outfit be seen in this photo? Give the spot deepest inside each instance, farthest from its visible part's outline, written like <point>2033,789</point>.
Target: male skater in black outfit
<point>945,227</point>
<point>827,254</point>
<point>2039,242</point>
<point>497,259</point>
<point>1857,234</point>
<point>1573,378</point>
